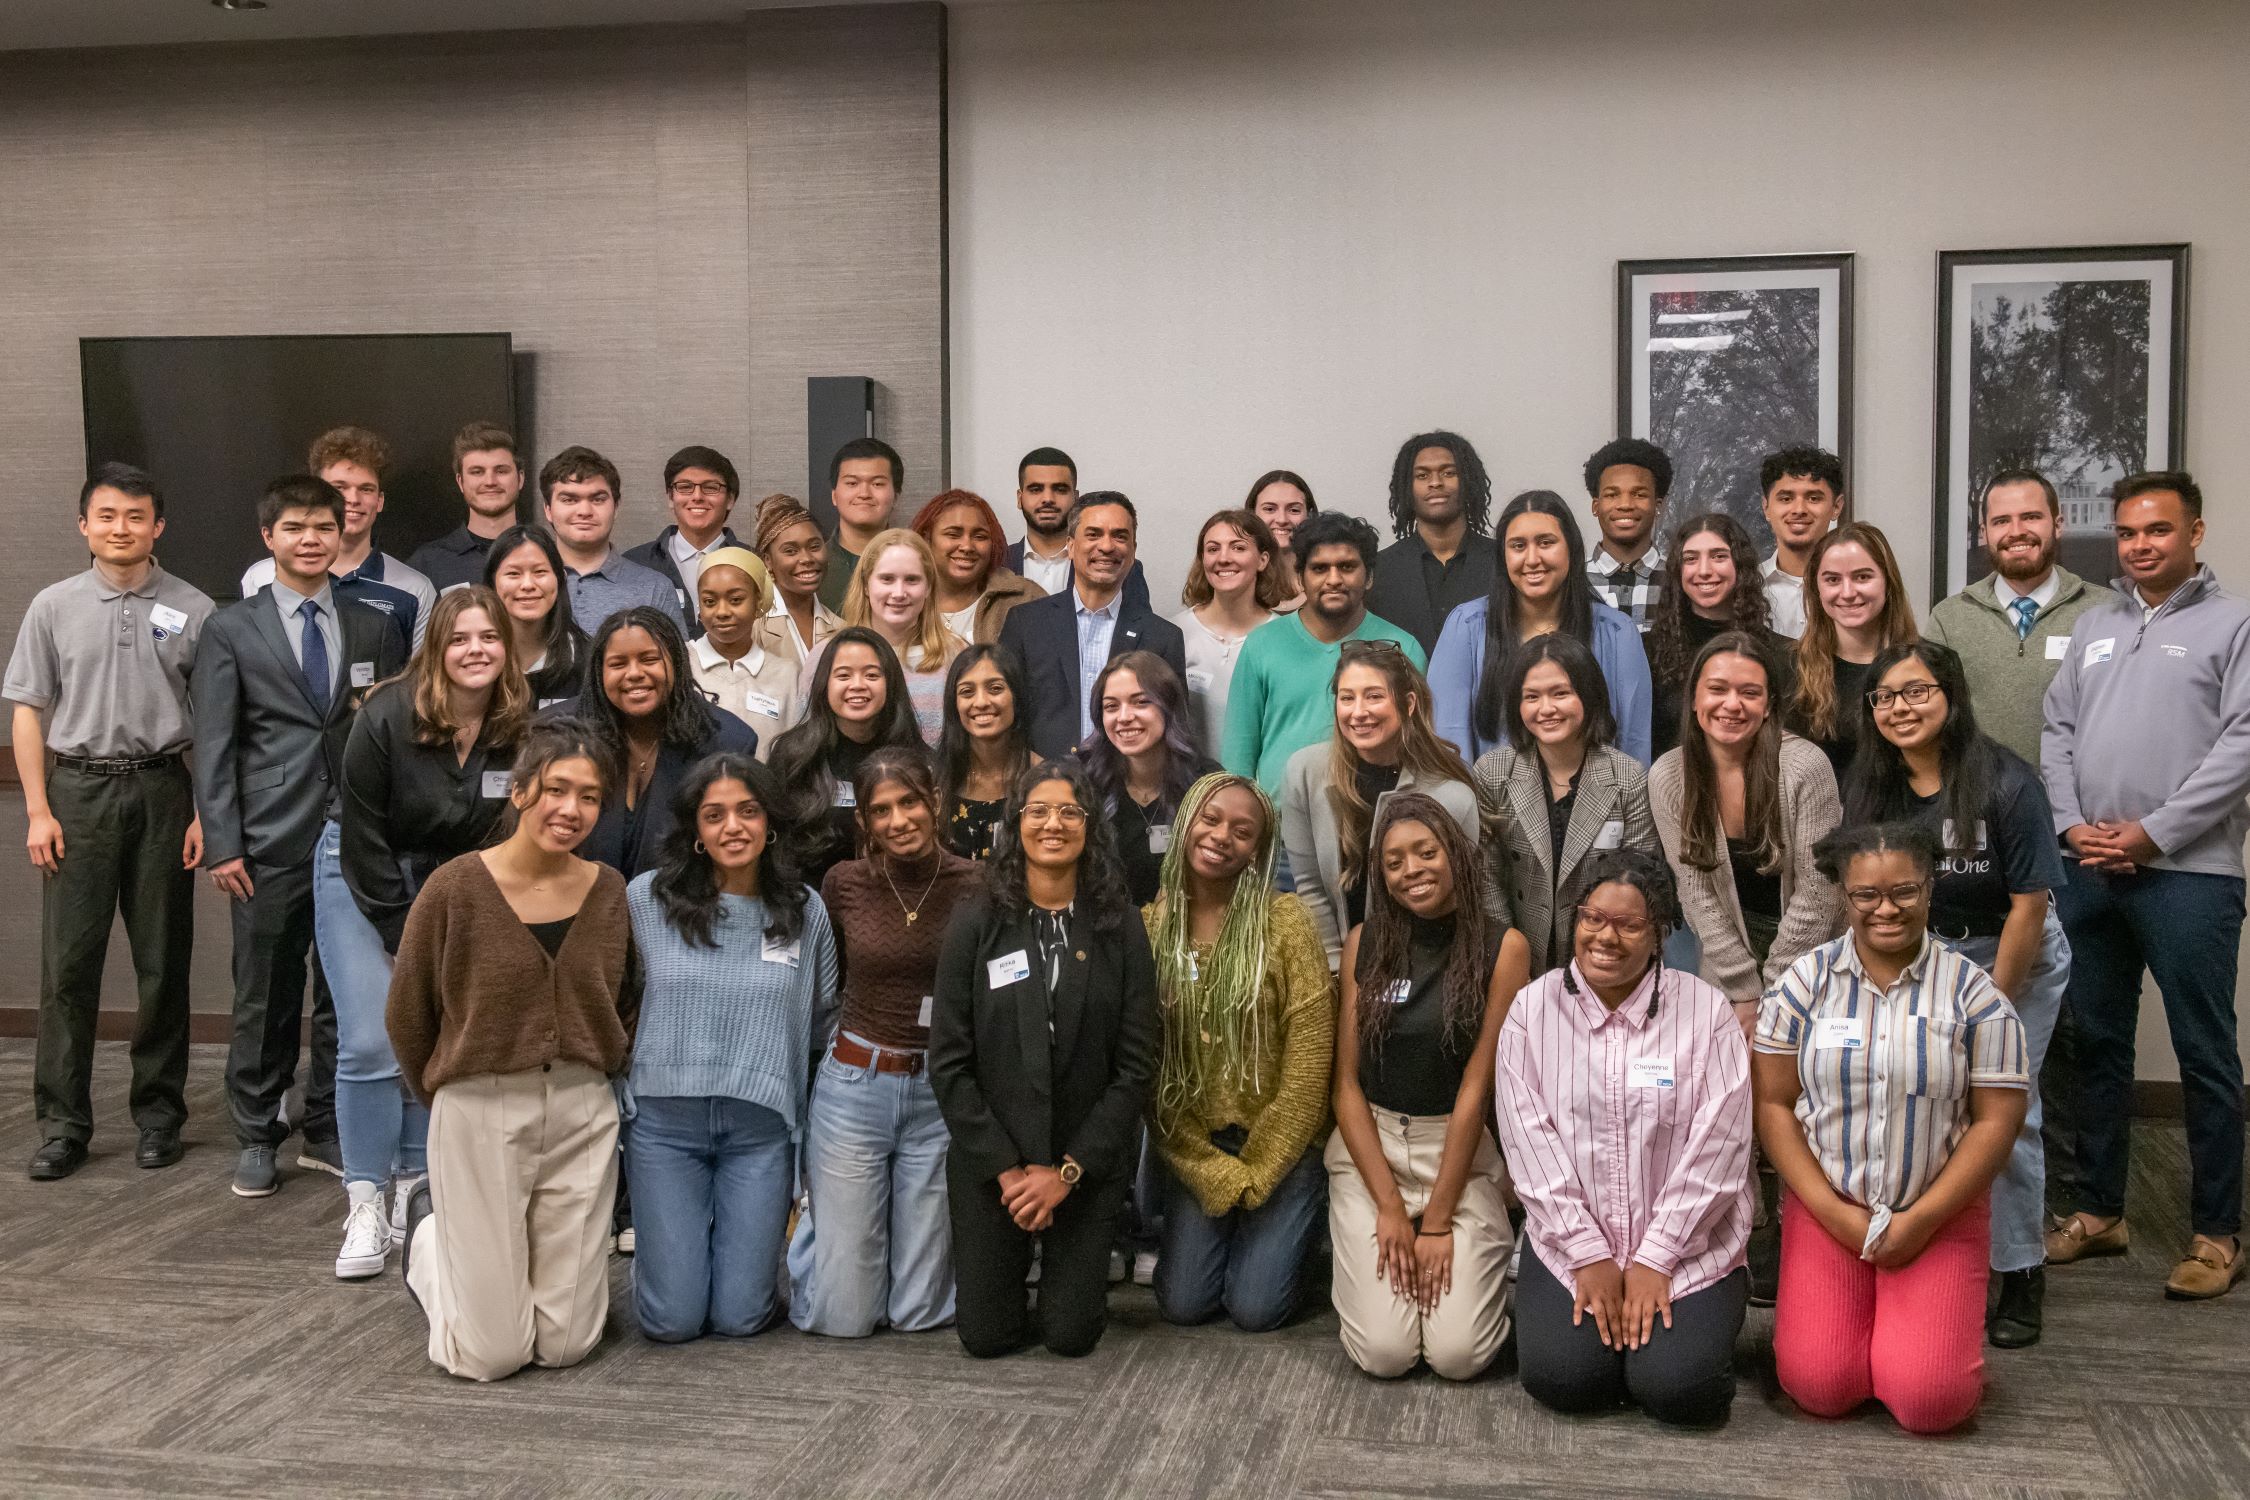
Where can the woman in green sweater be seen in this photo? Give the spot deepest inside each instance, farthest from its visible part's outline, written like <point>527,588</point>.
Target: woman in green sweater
<point>1242,1095</point>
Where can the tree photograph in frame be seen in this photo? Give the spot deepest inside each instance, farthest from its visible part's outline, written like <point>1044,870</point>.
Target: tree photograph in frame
<point>2072,362</point>
<point>1721,361</point>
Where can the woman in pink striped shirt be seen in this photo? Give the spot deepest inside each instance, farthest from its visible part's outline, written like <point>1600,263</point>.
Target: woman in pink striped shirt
<point>1624,1094</point>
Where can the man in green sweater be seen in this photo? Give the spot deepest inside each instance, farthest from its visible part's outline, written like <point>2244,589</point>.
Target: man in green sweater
<point>1280,700</point>
<point>2012,629</point>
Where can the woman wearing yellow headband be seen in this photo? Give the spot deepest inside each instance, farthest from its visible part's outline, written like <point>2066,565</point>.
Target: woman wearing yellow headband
<point>754,684</point>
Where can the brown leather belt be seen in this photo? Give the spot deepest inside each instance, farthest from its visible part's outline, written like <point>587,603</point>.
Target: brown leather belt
<point>882,1059</point>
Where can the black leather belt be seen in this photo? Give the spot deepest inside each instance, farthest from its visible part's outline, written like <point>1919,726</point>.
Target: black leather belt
<point>123,766</point>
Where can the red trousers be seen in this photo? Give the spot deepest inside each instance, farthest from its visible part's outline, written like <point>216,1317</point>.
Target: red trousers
<point>1912,1338</point>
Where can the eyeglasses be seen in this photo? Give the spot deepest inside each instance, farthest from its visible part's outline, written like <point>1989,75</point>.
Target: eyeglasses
<point>1069,814</point>
<point>1627,928</point>
<point>1915,693</point>
<point>1377,645</point>
<point>709,489</point>
<point>1867,898</point>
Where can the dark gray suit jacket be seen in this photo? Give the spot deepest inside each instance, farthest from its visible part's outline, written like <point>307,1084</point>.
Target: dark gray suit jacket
<point>1521,885</point>
<point>1044,636</point>
<point>268,766</point>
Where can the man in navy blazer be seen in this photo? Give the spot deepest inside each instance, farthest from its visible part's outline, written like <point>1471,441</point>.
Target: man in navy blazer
<point>1065,639</point>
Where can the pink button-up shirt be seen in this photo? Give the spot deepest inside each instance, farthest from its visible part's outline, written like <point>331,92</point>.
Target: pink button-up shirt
<point>1628,1131</point>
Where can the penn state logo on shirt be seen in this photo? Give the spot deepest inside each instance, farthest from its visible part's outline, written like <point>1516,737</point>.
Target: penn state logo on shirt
<point>166,622</point>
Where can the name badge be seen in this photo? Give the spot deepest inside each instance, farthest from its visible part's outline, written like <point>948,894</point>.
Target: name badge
<point>1612,835</point>
<point>2100,651</point>
<point>1649,1072</point>
<point>1847,1032</point>
<point>682,593</point>
<point>1398,991</point>
<point>1160,839</point>
<point>544,702</point>
<point>928,1004</point>
<point>1007,969</point>
<point>845,796</point>
<point>1198,682</point>
<point>165,617</point>
<point>2058,648</point>
<point>2175,650</point>
<point>1952,842</point>
<point>363,674</point>
<point>763,703</point>
<point>498,783</point>
<point>784,953</point>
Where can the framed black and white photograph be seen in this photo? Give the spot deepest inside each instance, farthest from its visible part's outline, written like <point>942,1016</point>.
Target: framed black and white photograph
<point>2071,362</point>
<point>1722,361</point>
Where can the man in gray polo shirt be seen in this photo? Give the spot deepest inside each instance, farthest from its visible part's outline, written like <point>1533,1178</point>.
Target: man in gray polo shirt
<point>580,489</point>
<point>100,677</point>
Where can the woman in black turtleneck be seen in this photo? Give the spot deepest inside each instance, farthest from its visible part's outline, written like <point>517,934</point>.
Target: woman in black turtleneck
<point>857,705</point>
<point>1711,585</point>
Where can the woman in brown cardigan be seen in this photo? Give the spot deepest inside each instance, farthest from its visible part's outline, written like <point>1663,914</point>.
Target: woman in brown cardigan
<point>510,1012</point>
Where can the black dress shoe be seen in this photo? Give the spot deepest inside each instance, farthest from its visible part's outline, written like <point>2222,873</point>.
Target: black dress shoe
<point>159,1148</point>
<point>2015,1323</point>
<point>1765,1263</point>
<point>57,1159</point>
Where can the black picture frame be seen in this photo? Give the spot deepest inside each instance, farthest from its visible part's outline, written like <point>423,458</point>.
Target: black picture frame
<point>2087,443</point>
<point>1783,402</point>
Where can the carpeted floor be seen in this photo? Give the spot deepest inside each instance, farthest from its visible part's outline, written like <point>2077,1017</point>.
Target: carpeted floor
<point>159,1336</point>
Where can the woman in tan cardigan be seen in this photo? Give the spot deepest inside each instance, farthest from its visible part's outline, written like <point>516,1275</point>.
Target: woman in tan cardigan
<point>510,1013</point>
<point>975,590</point>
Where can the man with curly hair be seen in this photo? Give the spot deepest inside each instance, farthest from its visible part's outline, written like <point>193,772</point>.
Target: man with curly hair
<point>1627,480</point>
<point>1441,504</point>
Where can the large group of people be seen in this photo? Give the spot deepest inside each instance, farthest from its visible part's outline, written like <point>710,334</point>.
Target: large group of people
<point>873,926</point>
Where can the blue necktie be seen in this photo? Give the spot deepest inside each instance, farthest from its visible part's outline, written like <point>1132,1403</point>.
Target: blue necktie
<point>2025,610</point>
<point>313,655</point>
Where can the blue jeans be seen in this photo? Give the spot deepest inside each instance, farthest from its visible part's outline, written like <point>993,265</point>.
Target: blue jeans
<point>380,1126</point>
<point>875,1245</point>
<point>1249,1261</point>
<point>710,1203</point>
<point>2185,928</point>
<point>2019,1193</point>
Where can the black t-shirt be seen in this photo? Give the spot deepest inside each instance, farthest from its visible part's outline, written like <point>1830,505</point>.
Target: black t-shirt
<point>1757,893</point>
<point>2011,852</point>
<point>841,816</point>
<point>1853,681</point>
<point>1418,1069</point>
<point>1671,692</point>
<point>1372,782</point>
<point>1144,834</point>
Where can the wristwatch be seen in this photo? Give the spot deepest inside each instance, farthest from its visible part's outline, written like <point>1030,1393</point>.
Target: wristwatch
<point>1070,1172</point>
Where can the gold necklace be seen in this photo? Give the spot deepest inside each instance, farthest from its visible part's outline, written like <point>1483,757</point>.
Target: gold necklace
<point>915,910</point>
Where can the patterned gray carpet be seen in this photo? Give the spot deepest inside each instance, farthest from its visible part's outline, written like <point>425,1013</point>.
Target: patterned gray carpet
<point>159,1336</point>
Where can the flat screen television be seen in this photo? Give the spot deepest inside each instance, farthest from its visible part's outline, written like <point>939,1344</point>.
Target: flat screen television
<point>215,419</point>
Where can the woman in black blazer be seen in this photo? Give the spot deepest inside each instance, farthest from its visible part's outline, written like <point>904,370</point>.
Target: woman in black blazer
<point>1044,1038</point>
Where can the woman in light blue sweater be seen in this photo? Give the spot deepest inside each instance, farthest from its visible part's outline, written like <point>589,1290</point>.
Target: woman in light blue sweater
<point>738,970</point>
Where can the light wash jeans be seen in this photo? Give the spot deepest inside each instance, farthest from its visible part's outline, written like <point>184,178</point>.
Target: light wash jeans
<point>380,1127</point>
<point>2019,1193</point>
<point>710,1207</point>
<point>875,1244</point>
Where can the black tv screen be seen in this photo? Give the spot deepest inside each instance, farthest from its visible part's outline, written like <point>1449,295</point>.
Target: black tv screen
<point>215,419</point>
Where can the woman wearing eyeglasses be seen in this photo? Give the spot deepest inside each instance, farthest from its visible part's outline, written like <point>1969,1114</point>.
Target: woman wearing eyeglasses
<point>1043,1044</point>
<point>1922,758</point>
<point>1625,1110</point>
<point>1890,1076</point>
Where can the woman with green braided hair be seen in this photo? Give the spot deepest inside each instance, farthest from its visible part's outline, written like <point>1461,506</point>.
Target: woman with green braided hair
<point>1242,1095</point>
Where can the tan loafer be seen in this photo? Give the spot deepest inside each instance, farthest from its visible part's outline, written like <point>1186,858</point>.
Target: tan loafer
<point>2076,1239</point>
<point>2209,1270</point>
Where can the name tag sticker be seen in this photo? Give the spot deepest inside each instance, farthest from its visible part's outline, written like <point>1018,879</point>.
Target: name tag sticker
<point>780,953</point>
<point>1649,1072</point>
<point>763,703</point>
<point>845,796</point>
<point>2175,650</point>
<point>1950,835</point>
<point>2058,648</point>
<point>1612,835</point>
<point>497,783</point>
<point>363,674</point>
<point>544,702</point>
<point>1160,839</point>
<point>165,617</point>
<point>1198,682</point>
<point>1831,1032</point>
<point>1399,990</point>
<point>2100,651</point>
<point>928,1003</point>
<point>1007,969</point>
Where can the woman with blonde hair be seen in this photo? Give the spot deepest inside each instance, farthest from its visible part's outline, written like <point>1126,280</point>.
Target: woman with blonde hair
<point>893,592</point>
<point>1234,582</point>
<point>975,589</point>
<point>1856,608</point>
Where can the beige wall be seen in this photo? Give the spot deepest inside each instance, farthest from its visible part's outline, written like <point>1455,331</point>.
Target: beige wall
<point>1193,242</point>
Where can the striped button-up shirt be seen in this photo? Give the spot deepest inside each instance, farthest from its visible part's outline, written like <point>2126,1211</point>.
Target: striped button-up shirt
<point>1886,1074</point>
<point>1628,1131</point>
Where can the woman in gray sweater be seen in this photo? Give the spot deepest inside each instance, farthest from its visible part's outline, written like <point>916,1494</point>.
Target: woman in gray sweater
<point>739,978</point>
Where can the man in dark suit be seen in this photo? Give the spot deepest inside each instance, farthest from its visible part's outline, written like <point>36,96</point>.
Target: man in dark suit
<point>701,487</point>
<point>1065,639</point>
<point>278,679</point>
<point>1046,488</point>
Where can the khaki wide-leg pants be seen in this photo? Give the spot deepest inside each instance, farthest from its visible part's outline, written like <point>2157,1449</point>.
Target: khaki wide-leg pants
<point>512,1265</point>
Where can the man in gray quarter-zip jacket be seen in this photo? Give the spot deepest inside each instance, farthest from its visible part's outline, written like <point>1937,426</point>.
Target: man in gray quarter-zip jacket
<point>2147,762</point>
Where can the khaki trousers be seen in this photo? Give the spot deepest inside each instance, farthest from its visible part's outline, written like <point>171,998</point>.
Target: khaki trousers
<point>1384,1332</point>
<point>512,1264</point>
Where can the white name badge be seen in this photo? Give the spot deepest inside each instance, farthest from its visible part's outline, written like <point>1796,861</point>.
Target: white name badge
<point>845,796</point>
<point>544,702</point>
<point>1612,835</point>
<point>165,617</point>
<point>929,1003</point>
<point>784,953</point>
<point>1399,990</point>
<point>1952,842</point>
<point>1007,969</point>
<point>2100,651</point>
<point>1649,1072</point>
<point>1831,1032</point>
<point>363,674</point>
<point>1198,682</point>
<point>763,703</point>
<point>497,783</point>
<point>2058,648</point>
<point>1160,839</point>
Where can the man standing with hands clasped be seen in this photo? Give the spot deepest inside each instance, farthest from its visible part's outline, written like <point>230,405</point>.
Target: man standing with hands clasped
<point>2147,761</point>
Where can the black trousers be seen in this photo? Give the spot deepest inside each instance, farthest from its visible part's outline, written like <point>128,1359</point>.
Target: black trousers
<point>991,1258</point>
<point>273,955</point>
<point>1684,1374</point>
<point>123,837</point>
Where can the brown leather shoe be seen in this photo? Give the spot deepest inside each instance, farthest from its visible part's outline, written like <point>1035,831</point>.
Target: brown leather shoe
<point>2210,1269</point>
<point>2075,1238</point>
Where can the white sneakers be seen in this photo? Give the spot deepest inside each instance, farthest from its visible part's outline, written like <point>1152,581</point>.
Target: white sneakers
<point>402,1190</point>
<point>367,1234</point>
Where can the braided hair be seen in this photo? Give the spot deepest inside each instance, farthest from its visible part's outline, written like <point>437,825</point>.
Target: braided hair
<point>1218,1000</point>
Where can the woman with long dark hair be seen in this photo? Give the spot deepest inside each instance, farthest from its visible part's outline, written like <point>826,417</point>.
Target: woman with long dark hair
<point>1249,1035</point>
<point>873,1246</point>
<point>982,749</point>
<point>856,705</point>
<point>1710,585</point>
<point>1417,1207</point>
<point>1043,1046</point>
<point>525,568</point>
<point>1856,607</point>
<point>738,976</point>
<point>1141,759</point>
<point>1282,499</point>
<point>1540,587</point>
<point>1234,583</point>
<point>1921,758</point>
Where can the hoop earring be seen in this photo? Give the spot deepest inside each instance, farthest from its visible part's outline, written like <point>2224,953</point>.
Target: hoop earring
<point>699,847</point>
